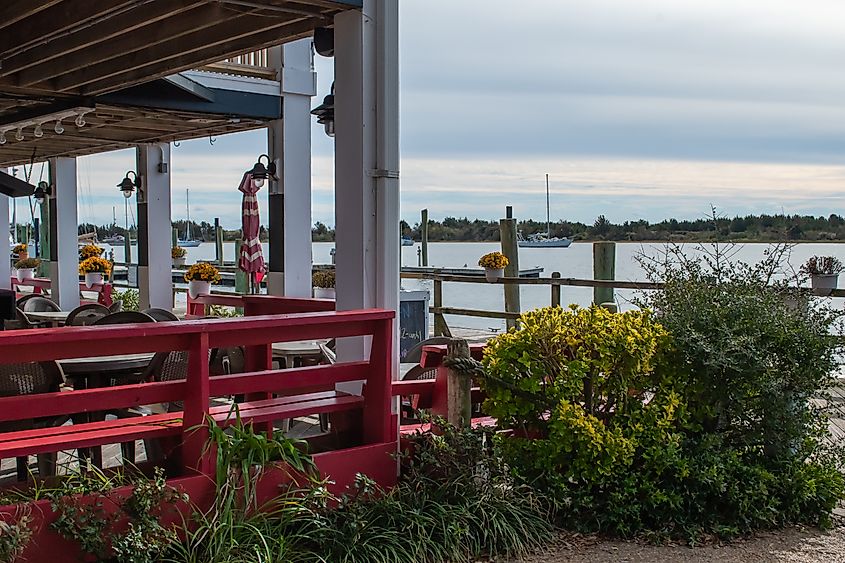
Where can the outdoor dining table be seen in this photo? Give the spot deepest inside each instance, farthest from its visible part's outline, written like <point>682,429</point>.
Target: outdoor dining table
<point>54,318</point>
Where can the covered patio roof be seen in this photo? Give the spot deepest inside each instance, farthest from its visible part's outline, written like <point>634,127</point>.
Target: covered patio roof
<point>122,58</point>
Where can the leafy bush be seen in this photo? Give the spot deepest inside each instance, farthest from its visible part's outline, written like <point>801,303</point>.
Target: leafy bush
<point>130,298</point>
<point>689,421</point>
<point>15,535</point>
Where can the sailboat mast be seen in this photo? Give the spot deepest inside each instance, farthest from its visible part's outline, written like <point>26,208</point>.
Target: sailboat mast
<point>188,213</point>
<point>548,213</point>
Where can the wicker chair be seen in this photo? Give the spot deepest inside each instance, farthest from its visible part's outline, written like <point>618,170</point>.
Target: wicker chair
<point>31,379</point>
<point>161,315</point>
<point>87,314</point>
<point>39,305</point>
<point>124,317</point>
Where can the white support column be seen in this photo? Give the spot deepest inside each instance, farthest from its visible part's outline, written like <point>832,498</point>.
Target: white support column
<point>64,233</point>
<point>155,278</point>
<point>289,199</point>
<point>367,163</point>
<point>5,265</point>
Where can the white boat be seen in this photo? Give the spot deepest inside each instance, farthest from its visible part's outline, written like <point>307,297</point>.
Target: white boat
<point>188,241</point>
<point>543,240</point>
<point>407,241</point>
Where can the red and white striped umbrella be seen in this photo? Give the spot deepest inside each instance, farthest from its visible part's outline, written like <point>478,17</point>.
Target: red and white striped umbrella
<point>252,258</point>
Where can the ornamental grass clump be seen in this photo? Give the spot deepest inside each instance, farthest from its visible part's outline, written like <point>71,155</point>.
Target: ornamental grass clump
<point>493,261</point>
<point>95,264</point>
<point>202,271</point>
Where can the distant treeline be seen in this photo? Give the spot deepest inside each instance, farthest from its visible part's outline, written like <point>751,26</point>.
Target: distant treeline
<point>747,228</point>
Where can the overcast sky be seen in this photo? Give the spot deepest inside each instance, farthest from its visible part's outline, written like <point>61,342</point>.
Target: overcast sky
<point>645,109</point>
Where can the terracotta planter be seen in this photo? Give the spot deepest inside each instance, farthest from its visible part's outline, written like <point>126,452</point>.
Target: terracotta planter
<point>824,284</point>
<point>25,274</point>
<point>493,274</point>
<point>325,293</point>
<point>93,278</point>
<point>198,287</point>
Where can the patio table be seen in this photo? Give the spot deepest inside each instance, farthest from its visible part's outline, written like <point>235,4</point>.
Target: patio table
<point>290,351</point>
<point>54,318</point>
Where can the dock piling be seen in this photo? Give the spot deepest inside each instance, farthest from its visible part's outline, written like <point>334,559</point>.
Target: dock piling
<point>510,248</point>
<point>424,236</point>
<point>458,386</point>
<point>555,290</point>
<point>218,241</point>
<point>604,268</point>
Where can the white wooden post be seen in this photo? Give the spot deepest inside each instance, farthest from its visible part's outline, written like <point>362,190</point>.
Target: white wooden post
<point>5,265</point>
<point>155,279</point>
<point>367,163</point>
<point>64,234</point>
<point>289,199</point>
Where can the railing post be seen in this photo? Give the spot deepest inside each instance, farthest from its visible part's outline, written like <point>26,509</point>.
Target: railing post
<point>424,236</point>
<point>378,426</point>
<point>510,248</point>
<point>194,424</point>
<point>604,268</point>
<point>458,387</point>
<point>241,280</point>
<point>555,290</point>
<point>259,358</point>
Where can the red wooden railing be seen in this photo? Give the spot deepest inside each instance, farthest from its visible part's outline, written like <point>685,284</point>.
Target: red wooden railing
<point>39,285</point>
<point>258,304</point>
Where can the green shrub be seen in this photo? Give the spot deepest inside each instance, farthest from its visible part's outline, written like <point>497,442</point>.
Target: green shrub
<point>693,420</point>
<point>130,297</point>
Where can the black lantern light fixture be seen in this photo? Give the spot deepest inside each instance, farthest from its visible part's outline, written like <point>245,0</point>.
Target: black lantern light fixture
<point>42,192</point>
<point>260,172</point>
<point>127,185</point>
<point>325,113</point>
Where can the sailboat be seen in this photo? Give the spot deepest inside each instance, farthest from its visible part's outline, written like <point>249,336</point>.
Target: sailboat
<point>188,241</point>
<point>114,238</point>
<point>544,240</point>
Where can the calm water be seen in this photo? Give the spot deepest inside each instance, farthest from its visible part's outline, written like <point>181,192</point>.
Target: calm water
<point>575,261</point>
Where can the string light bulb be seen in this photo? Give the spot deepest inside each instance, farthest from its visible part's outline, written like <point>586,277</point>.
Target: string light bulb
<point>19,134</point>
<point>2,137</point>
<point>38,132</point>
<point>59,128</point>
<point>80,120</point>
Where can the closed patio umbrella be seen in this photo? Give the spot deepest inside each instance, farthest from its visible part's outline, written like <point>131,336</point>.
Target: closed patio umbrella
<point>251,259</point>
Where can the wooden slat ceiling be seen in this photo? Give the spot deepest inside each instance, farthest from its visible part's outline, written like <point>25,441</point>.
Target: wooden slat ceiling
<point>55,52</point>
<point>90,47</point>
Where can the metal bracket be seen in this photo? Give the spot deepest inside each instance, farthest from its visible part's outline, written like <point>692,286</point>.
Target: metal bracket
<point>382,173</point>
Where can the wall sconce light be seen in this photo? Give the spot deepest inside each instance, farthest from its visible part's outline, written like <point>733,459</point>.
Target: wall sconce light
<point>42,192</point>
<point>127,185</point>
<point>260,172</point>
<point>325,113</point>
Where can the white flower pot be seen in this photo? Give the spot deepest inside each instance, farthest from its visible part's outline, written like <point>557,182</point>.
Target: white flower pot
<point>197,288</point>
<point>93,278</point>
<point>824,284</point>
<point>179,262</point>
<point>25,274</point>
<point>493,274</point>
<point>325,293</point>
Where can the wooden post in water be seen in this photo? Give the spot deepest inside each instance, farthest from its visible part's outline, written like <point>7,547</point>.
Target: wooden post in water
<point>510,248</point>
<point>555,290</point>
<point>174,238</point>
<point>218,241</point>
<point>127,250</point>
<point>458,387</point>
<point>241,279</point>
<point>604,268</point>
<point>424,236</point>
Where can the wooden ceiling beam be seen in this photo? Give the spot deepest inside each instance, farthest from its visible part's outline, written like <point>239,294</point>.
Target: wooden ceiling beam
<point>99,50</point>
<point>216,43</point>
<point>18,10</point>
<point>63,18</point>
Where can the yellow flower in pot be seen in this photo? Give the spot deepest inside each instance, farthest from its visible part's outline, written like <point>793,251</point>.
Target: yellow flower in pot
<point>324,282</point>
<point>89,251</point>
<point>200,276</point>
<point>177,253</point>
<point>21,251</point>
<point>94,268</point>
<point>494,265</point>
<point>25,268</point>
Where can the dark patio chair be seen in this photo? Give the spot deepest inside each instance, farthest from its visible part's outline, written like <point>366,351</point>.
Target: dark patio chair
<point>21,321</point>
<point>23,299</point>
<point>124,317</point>
<point>161,315</point>
<point>40,304</point>
<point>87,314</point>
<point>116,306</point>
<point>30,379</point>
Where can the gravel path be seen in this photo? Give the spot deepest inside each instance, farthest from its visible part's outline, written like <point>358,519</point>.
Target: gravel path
<point>793,545</point>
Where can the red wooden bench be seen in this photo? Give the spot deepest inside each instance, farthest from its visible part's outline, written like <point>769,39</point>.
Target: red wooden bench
<point>260,384</point>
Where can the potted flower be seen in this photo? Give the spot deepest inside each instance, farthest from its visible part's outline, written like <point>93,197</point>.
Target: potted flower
<point>89,251</point>
<point>824,273</point>
<point>21,251</point>
<point>494,265</point>
<point>200,276</point>
<point>323,282</point>
<point>177,253</point>
<point>94,268</point>
<point>25,268</point>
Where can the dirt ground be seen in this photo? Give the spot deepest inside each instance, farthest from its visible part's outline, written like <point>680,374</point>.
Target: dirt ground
<point>793,545</point>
